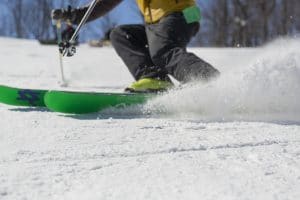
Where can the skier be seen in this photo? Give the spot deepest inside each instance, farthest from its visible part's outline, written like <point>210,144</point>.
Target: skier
<point>156,49</point>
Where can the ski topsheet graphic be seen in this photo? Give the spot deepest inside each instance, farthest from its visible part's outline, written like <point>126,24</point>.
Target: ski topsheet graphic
<point>22,97</point>
<point>70,102</point>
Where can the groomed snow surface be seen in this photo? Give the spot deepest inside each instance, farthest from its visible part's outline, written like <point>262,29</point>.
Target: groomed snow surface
<point>236,138</point>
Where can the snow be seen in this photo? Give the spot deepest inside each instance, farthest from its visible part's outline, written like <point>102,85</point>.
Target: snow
<point>235,138</point>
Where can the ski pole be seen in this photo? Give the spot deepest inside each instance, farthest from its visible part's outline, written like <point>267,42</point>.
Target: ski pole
<point>69,49</point>
<point>59,41</point>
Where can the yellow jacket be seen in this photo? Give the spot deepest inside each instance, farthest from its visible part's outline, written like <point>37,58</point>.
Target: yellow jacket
<point>154,10</point>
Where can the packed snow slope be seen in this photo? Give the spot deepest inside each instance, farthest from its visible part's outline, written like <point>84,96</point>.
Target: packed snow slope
<point>235,138</point>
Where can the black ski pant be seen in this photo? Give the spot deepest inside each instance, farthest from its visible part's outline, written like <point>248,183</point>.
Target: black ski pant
<point>155,50</point>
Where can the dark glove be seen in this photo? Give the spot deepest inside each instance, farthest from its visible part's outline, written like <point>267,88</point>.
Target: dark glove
<point>64,14</point>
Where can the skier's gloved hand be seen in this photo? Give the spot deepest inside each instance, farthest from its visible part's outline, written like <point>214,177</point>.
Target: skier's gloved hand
<point>64,14</point>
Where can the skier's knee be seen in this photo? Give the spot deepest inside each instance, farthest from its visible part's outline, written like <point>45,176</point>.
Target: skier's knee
<point>115,34</point>
<point>119,33</point>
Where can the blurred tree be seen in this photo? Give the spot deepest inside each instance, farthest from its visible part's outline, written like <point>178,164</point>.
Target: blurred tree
<point>218,19</point>
<point>16,10</point>
<point>266,10</point>
<point>242,32</point>
<point>289,15</point>
<point>40,15</point>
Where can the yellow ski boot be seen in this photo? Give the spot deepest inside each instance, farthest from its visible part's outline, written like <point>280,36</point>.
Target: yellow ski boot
<point>149,85</point>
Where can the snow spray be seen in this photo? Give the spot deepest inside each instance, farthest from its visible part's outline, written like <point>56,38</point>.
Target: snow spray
<point>268,89</point>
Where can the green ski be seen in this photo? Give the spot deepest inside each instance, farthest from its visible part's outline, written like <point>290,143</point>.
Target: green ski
<point>70,102</point>
<point>91,102</point>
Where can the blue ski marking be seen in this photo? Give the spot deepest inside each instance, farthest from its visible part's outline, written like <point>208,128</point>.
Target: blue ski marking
<point>29,96</point>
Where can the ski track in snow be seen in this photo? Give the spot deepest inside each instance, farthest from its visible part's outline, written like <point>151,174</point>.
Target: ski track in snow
<point>235,138</point>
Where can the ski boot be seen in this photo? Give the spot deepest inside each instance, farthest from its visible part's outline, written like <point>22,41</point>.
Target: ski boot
<point>150,85</point>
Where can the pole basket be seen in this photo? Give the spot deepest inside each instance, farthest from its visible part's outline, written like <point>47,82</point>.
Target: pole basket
<point>67,48</point>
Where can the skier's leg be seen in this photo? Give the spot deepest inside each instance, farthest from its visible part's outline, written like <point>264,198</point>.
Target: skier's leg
<point>130,42</point>
<point>167,44</point>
